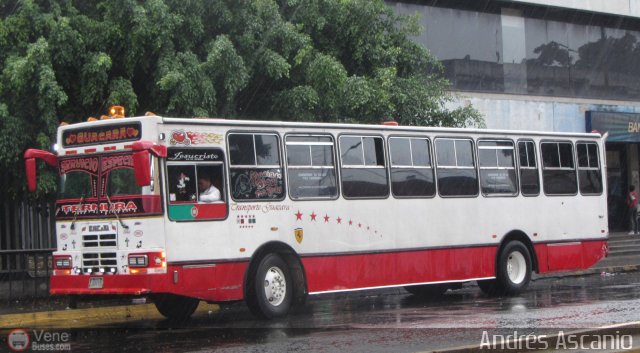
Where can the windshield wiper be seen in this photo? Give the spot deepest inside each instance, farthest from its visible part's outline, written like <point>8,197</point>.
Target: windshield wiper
<point>75,214</point>
<point>115,213</point>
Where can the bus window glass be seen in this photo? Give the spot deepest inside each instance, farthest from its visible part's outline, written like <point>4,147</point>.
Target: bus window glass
<point>400,151</point>
<point>589,175</point>
<point>182,183</point>
<point>75,185</point>
<point>456,168</point>
<point>255,167</point>
<point>373,151</point>
<point>267,150</point>
<point>497,169</point>
<point>351,151</point>
<point>310,167</point>
<point>122,181</point>
<point>322,155</point>
<point>363,167</point>
<point>529,180</point>
<point>298,155</point>
<point>411,171</point>
<point>446,153</point>
<point>241,149</point>
<point>420,154</point>
<point>464,153</point>
<point>558,172</point>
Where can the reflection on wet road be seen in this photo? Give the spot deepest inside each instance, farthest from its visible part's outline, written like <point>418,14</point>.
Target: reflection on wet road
<point>388,320</point>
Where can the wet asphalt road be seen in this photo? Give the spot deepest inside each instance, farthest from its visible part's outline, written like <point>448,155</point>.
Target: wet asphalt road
<point>386,320</point>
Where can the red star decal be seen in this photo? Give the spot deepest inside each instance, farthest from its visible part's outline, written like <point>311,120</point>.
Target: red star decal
<point>313,216</point>
<point>350,222</point>
<point>339,220</point>
<point>298,216</point>
<point>326,218</point>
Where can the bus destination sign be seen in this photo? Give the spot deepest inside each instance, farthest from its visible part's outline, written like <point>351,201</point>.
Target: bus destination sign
<point>95,135</point>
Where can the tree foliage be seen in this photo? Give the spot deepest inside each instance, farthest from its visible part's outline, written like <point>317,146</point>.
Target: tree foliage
<point>298,60</point>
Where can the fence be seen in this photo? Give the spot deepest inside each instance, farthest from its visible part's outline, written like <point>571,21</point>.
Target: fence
<point>27,239</point>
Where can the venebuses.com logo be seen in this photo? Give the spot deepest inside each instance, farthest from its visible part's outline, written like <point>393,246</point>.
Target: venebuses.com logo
<point>19,340</point>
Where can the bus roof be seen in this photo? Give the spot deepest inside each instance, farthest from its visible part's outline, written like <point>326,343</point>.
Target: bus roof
<point>310,125</point>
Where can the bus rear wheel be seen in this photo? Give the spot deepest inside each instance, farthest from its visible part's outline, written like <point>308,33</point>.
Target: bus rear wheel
<point>270,288</point>
<point>513,273</point>
<point>175,307</point>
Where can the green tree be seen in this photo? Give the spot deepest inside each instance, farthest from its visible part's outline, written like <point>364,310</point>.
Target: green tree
<point>299,60</point>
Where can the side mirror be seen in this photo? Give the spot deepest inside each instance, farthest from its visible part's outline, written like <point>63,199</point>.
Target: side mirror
<point>30,157</point>
<point>141,160</point>
<point>30,168</point>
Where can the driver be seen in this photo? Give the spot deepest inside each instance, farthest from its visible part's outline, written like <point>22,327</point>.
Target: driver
<point>209,193</point>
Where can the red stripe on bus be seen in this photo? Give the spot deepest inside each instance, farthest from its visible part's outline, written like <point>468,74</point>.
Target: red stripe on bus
<point>332,273</point>
<point>71,152</point>
<point>110,148</point>
<point>90,150</point>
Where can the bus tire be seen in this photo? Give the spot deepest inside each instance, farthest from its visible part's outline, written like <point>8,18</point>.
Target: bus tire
<point>270,288</point>
<point>427,291</point>
<point>175,307</point>
<point>513,273</point>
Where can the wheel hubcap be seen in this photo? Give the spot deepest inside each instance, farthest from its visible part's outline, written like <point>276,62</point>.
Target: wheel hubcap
<point>516,267</point>
<point>275,286</point>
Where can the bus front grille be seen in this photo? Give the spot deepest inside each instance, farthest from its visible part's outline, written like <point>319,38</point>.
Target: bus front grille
<point>105,262</point>
<point>107,240</point>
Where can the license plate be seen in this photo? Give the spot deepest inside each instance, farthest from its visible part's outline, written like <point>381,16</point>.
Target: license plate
<point>96,282</point>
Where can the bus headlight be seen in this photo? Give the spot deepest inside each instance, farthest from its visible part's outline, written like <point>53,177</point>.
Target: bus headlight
<point>63,261</point>
<point>138,261</point>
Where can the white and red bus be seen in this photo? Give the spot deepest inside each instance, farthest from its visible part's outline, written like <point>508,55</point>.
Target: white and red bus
<point>308,208</point>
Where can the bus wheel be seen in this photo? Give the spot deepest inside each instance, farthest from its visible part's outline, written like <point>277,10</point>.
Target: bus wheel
<point>428,291</point>
<point>175,307</point>
<point>270,288</point>
<point>513,273</point>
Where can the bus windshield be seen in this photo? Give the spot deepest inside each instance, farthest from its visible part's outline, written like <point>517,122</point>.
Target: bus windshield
<point>75,185</point>
<point>103,185</point>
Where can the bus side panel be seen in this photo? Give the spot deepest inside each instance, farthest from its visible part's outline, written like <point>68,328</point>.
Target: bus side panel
<point>571,256</point>
<point>214,282</point>
<point>343,272</point>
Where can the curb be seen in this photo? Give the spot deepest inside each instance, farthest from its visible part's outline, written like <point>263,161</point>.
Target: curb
<point>100,316</point>
<point>592,271</point>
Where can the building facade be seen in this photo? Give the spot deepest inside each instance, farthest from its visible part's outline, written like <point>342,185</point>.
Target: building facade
<point>561,65</point>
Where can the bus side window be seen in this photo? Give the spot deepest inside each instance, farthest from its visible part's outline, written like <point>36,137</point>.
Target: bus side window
<point>310,167</point>
<point>589,174</point>
<point>411,169</point>
<point>255,167</point>
<point>497,168</point>
<point>456,167</point>
<point>529,180</point>
<point>558,168</point>
<point>363,167</point>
